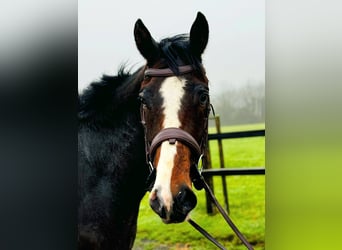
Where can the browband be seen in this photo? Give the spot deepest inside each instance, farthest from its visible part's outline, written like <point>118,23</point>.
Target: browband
<point>168,72</point>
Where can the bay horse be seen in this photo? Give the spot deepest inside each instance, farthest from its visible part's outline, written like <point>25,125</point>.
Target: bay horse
<point>153,118</point>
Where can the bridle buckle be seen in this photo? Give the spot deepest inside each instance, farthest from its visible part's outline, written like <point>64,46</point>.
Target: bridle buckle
<point>200,164</point>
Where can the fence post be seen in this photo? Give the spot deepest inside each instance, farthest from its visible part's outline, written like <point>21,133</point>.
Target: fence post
<point>220,147</point>
<point>209,180</point>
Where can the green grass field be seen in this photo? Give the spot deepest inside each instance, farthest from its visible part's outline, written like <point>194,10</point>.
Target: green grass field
<point>246,200</point>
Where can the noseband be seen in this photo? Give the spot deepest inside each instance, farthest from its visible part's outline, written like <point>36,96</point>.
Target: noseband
<point>176,134</point>
<point>172,135</point>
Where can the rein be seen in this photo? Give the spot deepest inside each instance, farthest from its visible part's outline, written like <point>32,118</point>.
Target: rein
<point>225,216</point>
<point>176,134</point>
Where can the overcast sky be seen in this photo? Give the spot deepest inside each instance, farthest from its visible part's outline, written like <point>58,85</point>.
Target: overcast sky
<point>236,50</point>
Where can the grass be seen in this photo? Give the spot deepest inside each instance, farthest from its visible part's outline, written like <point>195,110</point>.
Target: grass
<point>246,201</point>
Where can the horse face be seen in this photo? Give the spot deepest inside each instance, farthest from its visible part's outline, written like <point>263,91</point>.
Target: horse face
<point>174,102</point>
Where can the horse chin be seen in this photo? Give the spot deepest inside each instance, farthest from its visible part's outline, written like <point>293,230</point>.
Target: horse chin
<point>175,218</point>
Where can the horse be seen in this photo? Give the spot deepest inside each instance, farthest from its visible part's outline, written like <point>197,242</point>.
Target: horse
<point>147,125</point>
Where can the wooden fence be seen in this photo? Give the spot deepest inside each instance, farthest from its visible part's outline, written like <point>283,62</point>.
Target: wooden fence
<point>223,171</point>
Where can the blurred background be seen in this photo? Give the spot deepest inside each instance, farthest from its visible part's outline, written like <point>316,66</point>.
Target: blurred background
<point>41,49</point>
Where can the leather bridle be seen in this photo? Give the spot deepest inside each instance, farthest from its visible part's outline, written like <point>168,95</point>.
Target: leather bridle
<point>172,134</point>
<point>198,151</point>
<point>167,71</point>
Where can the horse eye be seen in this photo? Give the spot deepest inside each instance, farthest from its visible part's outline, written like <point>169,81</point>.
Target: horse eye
<point>147,78</point>
<point>203,98</point>
<point>146,104</point>
<point>141,98</point>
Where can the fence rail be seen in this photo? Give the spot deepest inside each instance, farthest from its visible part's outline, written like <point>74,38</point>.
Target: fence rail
<point>233,171</point>
<point>234,135</point>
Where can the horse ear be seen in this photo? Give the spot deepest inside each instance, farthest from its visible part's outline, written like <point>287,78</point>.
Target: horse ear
<point>199,34</point>
<point>147,46</point>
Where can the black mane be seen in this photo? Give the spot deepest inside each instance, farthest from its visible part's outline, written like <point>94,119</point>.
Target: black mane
<point>176,51</point>
<point>103,101</point>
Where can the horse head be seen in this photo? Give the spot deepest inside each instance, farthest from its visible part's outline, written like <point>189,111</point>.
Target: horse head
<point>175,108</point>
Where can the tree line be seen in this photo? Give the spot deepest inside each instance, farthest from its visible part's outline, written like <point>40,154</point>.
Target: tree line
<point>241,105</point>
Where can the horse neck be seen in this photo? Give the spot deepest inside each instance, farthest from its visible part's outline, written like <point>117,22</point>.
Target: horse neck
<point>114,131</point>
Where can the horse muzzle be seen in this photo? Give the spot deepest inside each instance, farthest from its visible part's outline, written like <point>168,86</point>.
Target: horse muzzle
<point>173,209</point>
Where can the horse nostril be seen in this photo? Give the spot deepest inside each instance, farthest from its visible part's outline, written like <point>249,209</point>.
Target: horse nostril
<point>157,206</point>
<point>162,212</point>
<point>186,200</point>
<point>153,195</point>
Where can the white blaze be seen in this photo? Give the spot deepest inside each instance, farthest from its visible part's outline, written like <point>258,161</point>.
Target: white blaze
<point>172,91</point>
